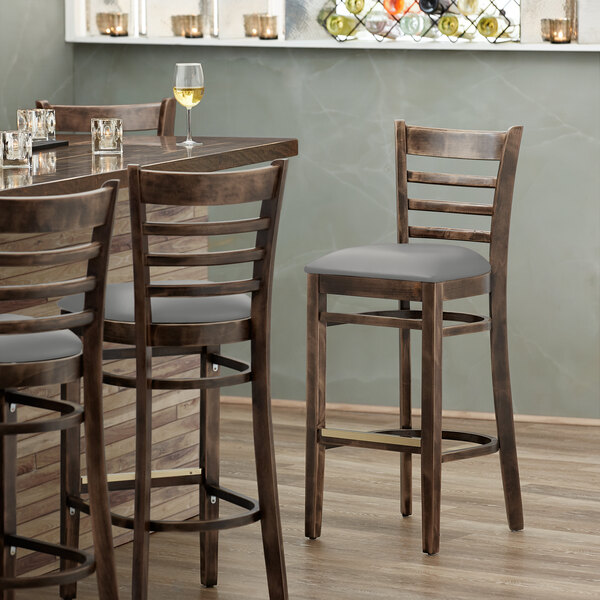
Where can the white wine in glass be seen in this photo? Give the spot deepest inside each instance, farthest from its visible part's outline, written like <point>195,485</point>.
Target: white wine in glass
<point>188,89</point>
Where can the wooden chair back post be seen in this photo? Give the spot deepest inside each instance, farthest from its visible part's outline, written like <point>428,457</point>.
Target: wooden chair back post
<point>264,185</point>
<point>135,117</point>
<point>502,147</point>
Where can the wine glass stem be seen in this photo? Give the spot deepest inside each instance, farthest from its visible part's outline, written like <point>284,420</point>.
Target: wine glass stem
<point>189,125</point>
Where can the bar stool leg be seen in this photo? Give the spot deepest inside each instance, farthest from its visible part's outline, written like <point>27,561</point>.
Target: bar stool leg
<point>405,417</point>
<point>106,575</point>
<point>266,475</point>
<point>504,409</point>
<point>70,452</point>
<point>431,420</point>
<point>316,347</point>
<point>8,499</point>
<point>209,463</point>
<point>143,459</point>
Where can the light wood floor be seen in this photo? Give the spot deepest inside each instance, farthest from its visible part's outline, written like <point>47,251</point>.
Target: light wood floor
<point>368,551</point>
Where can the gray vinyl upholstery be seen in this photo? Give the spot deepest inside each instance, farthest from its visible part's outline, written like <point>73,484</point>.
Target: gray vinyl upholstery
<point>406,262</point>
<point>209,309</point>
<point>35,347</point>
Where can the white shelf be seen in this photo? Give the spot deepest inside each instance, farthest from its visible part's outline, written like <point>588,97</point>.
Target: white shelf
<point>332,44</point>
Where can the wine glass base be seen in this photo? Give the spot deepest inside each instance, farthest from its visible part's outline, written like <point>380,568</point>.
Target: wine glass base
<point>189,144</point>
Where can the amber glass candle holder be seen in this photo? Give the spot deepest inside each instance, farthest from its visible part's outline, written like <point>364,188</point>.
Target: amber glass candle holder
<point>545,29</point>
<point>561,31</point>
<point>267,27</point>
<point>193,26</point>
<point>178,25</point>
<point>251,25</point>
<point>118,26</point>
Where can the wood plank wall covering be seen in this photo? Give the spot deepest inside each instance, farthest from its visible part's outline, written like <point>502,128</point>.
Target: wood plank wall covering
<point>175,424</point>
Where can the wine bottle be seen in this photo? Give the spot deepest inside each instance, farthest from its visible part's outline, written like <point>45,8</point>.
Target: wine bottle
<point>490,26</point>
<point>415,24</point>
<point>455,26</point>
<point>394,7</point>
<point>355,6</point>
<point>434,6</point>
<point>340,25</point>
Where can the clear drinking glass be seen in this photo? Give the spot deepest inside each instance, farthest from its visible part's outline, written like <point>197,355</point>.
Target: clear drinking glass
<point>50,123</point>
<point>107,136</point>
<point>16,149</point>
<point>188,89</point>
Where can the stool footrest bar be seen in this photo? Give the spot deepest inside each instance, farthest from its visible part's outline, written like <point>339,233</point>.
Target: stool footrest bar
<point>159,478</point>
<point>250,505</point>
<point>408,440</point>
<point>86,565</point>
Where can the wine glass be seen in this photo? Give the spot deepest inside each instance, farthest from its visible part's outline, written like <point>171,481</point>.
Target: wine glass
<point>188,89</point>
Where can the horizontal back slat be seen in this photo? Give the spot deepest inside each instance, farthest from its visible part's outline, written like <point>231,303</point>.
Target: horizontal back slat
<point>48,290</point>
<point>204,289</point>
<point>207,189</point>
<point>211,228</point>
<point>52,214</point>
<point>473,181</point>
<point>55,323</point>
<point>444,143</point>
<point>138,117</point>
<point>448,233</point>
<point>463,208</point>
<point>61,256</point>
<point>205,259</point>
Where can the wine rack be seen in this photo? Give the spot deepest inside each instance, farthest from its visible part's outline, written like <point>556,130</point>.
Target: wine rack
<point>494,21</point>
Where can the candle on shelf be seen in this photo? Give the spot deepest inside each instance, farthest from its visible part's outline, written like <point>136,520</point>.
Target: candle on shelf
<point>267,27</point>
<point>193,26</point>
<point>251,25</point>
<point>560,31</point>
<point>119,24</point>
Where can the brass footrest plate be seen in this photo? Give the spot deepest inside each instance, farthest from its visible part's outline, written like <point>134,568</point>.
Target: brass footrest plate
<point>158,478</point>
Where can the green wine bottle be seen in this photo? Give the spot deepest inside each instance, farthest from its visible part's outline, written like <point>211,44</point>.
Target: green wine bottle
<point>434,6</point>
<point>455,26</point>
<point>491,26</point>
<point>355,6</point>
<point>340,25</point>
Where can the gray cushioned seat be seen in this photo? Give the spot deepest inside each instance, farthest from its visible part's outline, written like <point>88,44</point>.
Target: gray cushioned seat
<point>210,309</point>
<point>34,347</point>
<point>407,262</point>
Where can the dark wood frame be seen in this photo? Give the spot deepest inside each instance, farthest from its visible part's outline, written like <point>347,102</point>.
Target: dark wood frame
<point>136,117</point>
<point>55,214</point>
<point>264,185</point>
<point>442,143</point>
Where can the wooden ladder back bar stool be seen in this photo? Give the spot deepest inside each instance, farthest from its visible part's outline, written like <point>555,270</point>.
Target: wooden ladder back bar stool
<point>196,316</point>
<point>43,351</point>
<point>136,117</point>
<point>428,273</point>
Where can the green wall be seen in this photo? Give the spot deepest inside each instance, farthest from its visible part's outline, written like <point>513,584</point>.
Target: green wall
<point>341,104</point>
<point>35,61</point>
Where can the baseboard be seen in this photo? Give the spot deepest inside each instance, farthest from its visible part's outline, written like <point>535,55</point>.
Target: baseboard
<point>451,414</point>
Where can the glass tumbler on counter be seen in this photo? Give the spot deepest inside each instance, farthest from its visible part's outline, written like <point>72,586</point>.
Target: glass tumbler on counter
<point>16,149</point>
<point>107,136</point>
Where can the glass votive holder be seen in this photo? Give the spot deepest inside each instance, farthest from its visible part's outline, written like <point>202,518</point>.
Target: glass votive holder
<point>267,27</point>
<point>560,31</point>
<point>16,149</point>
<point>251,25</point>
<point>118,24</point>
<point>104,22</point>
<point>193,26</point>
<point>545,29</point>
<point>107,136</point>
<point>178,24</point>
<point>50,123</point>
<point>33,120</point>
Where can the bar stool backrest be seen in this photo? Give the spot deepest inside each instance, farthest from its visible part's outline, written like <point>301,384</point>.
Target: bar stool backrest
<point>61,217</point>
<point>263,186</point>
<point>136,117</point>
<point>502,147</point>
